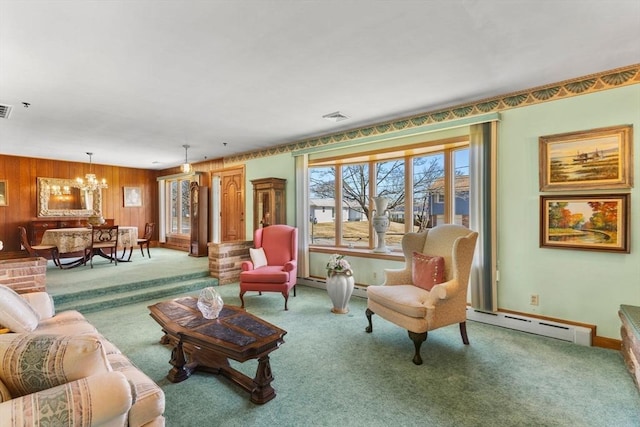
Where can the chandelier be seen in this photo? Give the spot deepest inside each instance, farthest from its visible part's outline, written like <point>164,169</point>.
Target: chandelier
<point>90,182</point>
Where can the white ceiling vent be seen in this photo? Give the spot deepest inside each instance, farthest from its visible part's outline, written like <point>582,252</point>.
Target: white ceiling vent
<point>5,111</point>
<point>335,117</point>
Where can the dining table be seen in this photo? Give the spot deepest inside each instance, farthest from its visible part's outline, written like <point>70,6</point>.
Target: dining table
<point>75,240</point>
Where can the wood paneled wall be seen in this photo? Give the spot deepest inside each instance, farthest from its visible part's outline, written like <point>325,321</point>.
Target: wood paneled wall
<point>21,174</point>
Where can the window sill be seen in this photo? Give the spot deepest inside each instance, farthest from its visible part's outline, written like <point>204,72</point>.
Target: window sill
<point>357,252</point>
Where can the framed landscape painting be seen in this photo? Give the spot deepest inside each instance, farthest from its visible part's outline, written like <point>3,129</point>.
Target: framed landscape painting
<point>585,222</point>
<point>587,160</point>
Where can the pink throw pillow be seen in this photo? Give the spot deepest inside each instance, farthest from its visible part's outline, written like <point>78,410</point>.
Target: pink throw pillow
<point>427,271</point>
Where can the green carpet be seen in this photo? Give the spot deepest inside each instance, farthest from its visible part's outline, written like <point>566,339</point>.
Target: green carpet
<point>163,263</point>
<point>329,372</point>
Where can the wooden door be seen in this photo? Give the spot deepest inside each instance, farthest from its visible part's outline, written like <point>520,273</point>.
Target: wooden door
<point>232,204</point>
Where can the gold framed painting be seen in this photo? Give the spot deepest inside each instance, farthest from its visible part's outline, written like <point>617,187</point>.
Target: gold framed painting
<point>4,195</point>
<point>587,160</point>
<point>585,222</point>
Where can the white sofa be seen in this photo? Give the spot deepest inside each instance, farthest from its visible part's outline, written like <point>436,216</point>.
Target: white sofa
<point>57,369</point>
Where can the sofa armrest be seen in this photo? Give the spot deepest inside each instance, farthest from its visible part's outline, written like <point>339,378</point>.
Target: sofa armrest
<point>290,265</point>
<point>42,303</point>
<point>108,396</point>
<point>246,266</point>
<point>443,291</point>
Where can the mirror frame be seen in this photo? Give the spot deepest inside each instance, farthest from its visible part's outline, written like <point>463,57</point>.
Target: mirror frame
<point>44,192</point>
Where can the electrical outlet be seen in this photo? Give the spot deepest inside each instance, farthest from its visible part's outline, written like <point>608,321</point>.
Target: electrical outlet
<point>533,299</point>
<point>375,275</point>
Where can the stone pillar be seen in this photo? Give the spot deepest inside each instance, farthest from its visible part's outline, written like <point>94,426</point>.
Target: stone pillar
<point>225,260</point>
<point>24,274</point>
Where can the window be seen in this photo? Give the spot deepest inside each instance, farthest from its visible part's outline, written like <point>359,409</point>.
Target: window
<point>355,205</point>
<point>461,187</point>
<point>390,177</point>
<point>340,191</point>
<point>322,201</point>
<point>428,190</point>
<point>178,206</point>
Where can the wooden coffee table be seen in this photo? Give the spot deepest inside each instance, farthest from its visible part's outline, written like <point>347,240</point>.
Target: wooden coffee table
<point>207,344</point>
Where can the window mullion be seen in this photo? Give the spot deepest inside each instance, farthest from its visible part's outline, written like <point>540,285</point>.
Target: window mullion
<point>338,205</point>
<point>449,199</point>
<point>408,194</point>
<point>373,189</point>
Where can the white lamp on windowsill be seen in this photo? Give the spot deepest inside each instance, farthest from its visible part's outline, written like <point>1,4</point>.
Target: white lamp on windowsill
<point>186,166</point>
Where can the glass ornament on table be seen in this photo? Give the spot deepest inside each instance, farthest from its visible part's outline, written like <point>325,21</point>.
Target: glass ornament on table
<point>210,303</point>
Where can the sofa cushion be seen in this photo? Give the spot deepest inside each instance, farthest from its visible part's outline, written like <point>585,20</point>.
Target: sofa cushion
<point>148,398</point>
<point>427,271</point>
<point>33,362</point>
<point>15,313</point>
<point>258,257</point>
<point>41,302</point>
<point>98,400</point>
<point>267,274</point>
<point>4,392</point>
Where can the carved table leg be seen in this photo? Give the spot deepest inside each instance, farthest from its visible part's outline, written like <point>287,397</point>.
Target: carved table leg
<point>263,391</point>
<point>180,371</point>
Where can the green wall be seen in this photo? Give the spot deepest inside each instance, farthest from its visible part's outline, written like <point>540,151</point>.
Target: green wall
<point>580,286</point>
<point>277,166</point>
<point>573,285</point>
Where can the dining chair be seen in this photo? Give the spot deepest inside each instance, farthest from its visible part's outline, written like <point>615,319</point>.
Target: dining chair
<point>32,250</point>
<point>145,240</point>
<point>103,237</point>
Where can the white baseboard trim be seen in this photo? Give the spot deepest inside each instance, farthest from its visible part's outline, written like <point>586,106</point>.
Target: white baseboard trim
<point>562,331</point>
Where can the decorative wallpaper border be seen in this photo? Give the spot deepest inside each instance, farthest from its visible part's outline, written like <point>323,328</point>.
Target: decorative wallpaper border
<point>618,77</point>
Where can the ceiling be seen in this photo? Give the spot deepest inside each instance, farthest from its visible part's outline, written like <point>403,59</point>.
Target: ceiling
<point>132,81</point>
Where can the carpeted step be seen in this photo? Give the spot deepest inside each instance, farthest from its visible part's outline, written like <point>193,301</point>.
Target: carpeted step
<point>116,299</point>
<point>99,290</point>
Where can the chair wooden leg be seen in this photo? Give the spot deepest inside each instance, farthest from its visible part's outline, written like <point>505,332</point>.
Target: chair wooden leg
<point>141,250</point>
<point>148,253</point>
<point>369,328</point>
<point>463,333</point>
<point>286,300</point>
<point>242,299</point>
<point>56,258</point>
<point>418,339</point>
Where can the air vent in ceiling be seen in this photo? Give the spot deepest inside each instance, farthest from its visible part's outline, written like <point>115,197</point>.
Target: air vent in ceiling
<point>335,117</point>
<point>5,111</point>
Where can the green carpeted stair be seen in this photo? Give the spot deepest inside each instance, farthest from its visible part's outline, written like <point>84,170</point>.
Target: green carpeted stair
<point>95,299</point>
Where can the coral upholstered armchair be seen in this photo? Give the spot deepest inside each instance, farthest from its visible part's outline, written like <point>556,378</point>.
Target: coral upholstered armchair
<point>414,298</point>
<point>273,266</point>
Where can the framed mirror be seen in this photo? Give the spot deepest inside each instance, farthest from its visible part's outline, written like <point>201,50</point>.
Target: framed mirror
<point>65,197</point>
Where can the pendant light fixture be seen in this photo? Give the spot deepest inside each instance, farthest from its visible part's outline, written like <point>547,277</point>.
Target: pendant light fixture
<point>186,166</point>
<point>90,182</point>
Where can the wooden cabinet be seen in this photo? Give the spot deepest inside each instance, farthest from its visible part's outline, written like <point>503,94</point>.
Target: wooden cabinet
<point>199,220</point>
<point>269,202</point>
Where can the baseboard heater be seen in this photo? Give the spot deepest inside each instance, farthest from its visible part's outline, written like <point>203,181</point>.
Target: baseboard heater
<point>572,333</point>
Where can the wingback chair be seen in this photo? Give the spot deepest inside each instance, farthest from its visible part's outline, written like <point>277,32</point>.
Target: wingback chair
<point>414,308</point>
<point>274,266</point>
